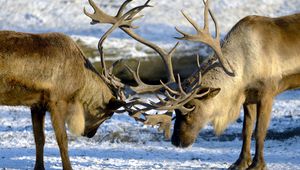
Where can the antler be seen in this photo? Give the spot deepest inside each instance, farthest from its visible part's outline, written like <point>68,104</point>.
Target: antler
<point>175,99</point>
<point>120,20</point>
<point>204,36</point>
<point>141,86</point>
<point>124,22</point>
<point>101,17</point>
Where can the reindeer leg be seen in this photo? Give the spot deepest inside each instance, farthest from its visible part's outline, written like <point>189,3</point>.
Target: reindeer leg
<point>58,112</point>
<point>264,109</point>
<point>244,160</point>
<point>38,120</point>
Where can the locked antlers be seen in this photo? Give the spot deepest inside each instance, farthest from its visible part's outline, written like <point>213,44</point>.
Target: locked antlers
<point>176,94</point>
<point>124,22</point>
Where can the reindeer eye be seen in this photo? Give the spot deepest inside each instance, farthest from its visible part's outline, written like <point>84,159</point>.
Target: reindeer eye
<point>188,106</point>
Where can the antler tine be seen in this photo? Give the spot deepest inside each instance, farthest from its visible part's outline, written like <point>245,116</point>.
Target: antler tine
<point>136,75</point>
<point>130,15</point>
<point>99,16</point>
<point>141,86</point>
<point>198,61</point>
<point>180,85</point>
<point>206,9</point>
<point>168,63</point>
<point>199,71</point>
<point>169,89</point>
<point>191,21</point>
<point>169,96</point>
<point>217,31</point>
<point>137,9</point>
<point>122,8</point>
<point>196,77</point>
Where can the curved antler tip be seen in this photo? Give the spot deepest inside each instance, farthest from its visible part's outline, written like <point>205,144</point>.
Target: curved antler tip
<point>150,6</point>
<point>178,30</point>
<point>147,2</point>
<point>181,32</point>
<point>183,13</point>
<point>85,11</point>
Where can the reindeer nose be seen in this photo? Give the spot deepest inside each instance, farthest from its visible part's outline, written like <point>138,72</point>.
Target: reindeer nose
<point>181,142</point>
<point>90,134</point>
<point>176,143</point>
<point>175,140</point>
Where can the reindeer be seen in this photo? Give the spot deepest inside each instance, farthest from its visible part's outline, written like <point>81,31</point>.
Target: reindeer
<point>258,59</point>
<point>263,58</point>
<point>48,72</point>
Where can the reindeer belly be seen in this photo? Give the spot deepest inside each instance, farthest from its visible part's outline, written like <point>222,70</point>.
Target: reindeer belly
<point>14,93</point>
<point>19,97</point>
<point>290,82</point>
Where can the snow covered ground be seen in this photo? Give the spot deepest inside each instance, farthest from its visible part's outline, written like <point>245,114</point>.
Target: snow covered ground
<point>121,143</point>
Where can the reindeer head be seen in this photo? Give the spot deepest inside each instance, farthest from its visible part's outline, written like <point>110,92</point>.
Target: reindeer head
<point>95,117</point>
<point>188,124</point>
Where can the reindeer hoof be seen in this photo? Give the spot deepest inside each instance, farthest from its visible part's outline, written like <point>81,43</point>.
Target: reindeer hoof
<point>240,164</point>
<point>258,166</point>
<point>38,167</point>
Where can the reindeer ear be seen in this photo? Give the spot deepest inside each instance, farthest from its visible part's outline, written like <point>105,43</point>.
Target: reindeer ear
<point>115,104</point>
<point>211,92</point>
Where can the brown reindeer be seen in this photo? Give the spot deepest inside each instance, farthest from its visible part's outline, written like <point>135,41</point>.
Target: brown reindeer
<point>259,58</point>
<point>48,72</point>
